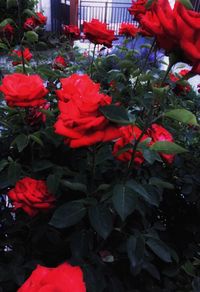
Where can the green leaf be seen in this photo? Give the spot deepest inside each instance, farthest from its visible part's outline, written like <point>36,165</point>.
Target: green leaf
<point>3,164</point>
<point>124,200</point>
<point>5,22</point>
<point>68,214</point>
<point>11,3</point>
<point>21,141</point>
<point>187,4</point>
<point>183,116</point>
<point>141,191</point>
<point>39,165</point>
<point>30,13</point>
<point>159,182</point>
<point>75,186</point>
<point>101,220</point>
<point>149,3</point>
<point>167,147</point>
<point>31,36</point>
<point>160,249</point>
<point>3,46</point>
<point>14,172</point>
<point>189,268</point>
<point>135,250</point>
<point>151,156</point>
<point>36,139</point>
<point>53,182</point>
<point>116,114</point>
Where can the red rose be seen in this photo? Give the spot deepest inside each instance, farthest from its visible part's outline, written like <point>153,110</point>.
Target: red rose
<point>72,32</point>
<point>138,8</point>
<point>30,23</point>
<point>31,195</point>
<point>128,29</point>
<point>158,133</point>
<point>64,278</point>
<point>176,30</point>
<point>98,33</point>
<point>159,21</point>
<point>129,135</point>
<point>80,120</point>
<point>23,90</point>
<point>41,19</point>
<point>18,53</point>
<point>7,31</point>
<point>188,33</point>
<point>180,89</point>
<point>59,63</point>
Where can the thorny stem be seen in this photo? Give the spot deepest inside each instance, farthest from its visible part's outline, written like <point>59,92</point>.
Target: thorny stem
<point>145,63</point>
<point>21,35</point>
<point>91,65</point>
<point>131,162</point>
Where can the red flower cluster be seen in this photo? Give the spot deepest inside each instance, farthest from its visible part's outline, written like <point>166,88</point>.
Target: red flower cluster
<point>130,134</point>
<point>64,278</point>
<point>72,32</point>
<point>80,120</point>
<point>128,29</point>
<point>180,89</point>
<point>18,54</point>
<point>59,63</point>
<point>32,22</point>
<point>176,30</point>
<point>31,195</point>
<point>97,33</point>
<point>23,91</point>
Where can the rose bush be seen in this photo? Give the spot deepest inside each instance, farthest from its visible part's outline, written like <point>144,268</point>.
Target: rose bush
<point>17,54</point>
<point>99,162</point>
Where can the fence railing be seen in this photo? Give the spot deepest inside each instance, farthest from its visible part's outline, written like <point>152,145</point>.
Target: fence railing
<point>113,13</point>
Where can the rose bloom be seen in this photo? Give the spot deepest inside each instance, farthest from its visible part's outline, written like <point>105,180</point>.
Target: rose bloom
<point>97,33</point>
<point>41,19</point>
<point>64,278</point>
<point>176,30</point>
<point>71,31</point>
<point>188,33</point>
<point>31,195</point>
<point>138,8</point>
<point>30,23</point>
<point>23,90</point>
<point>81,121</point>
<point>59,63</point>
<point>128,29</point>
<point>7,31</point>
<point>129,135</point>
<point>158,133</point>
<point>18,53</point>
<point>180,89</point>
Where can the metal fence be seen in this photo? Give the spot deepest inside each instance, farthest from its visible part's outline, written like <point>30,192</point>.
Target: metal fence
<point>113,13</point>
<point>60,11</point>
